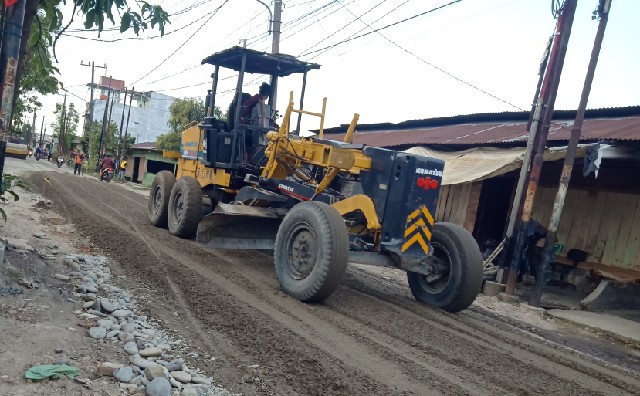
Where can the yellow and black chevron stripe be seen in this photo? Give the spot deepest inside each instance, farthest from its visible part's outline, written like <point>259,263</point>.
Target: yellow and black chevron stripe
<point>419,224</point>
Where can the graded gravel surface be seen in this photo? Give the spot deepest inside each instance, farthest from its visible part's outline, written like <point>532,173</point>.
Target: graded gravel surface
<point>370,338</point>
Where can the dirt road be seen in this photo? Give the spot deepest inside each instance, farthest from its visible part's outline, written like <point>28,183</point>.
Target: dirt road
<point>369,338</point>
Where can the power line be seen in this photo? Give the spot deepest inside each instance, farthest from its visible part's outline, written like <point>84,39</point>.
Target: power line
<point>184,43</point>
<point>348,24</point>
<point>367,25</point>
<point>383,28</point>
<point>437,67</point>
<point>298,21</point>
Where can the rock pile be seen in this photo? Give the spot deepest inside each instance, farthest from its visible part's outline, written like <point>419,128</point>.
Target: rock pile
<point>109,314</point>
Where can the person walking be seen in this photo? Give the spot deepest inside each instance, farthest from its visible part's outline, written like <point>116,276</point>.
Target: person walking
<point>122,167</point>
<point>79,160</point>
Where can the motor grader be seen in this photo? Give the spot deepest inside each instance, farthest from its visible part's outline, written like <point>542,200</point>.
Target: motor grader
<point>319,204</point>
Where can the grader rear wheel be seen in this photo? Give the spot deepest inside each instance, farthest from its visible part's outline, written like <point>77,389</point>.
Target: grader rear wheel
<point>185,207</point>
<point>311,251</point>
<point>158,206</point>
<point>459,284</point>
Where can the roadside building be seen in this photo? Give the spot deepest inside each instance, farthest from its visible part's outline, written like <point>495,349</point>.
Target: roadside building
<point>483,154</point>
<point>149,110</point>
<point>145,161</point>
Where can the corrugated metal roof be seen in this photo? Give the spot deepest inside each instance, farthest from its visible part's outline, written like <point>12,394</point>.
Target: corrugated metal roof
<point>144,146</point>
<point>626,128</point>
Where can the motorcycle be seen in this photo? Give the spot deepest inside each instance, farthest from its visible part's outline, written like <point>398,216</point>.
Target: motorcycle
<point>107,175</point>
<point>60,161</point>
<point>38,155</point>
<point>30,152</point>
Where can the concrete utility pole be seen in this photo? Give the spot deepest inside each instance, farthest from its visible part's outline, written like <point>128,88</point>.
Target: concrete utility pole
<point>126,131</point>
<point>32,137</point>
<point>106,139</point>
<point>277,21</point>
<point>275,47</point>
<point>61,137</point>
<point>546,102</point>
<point>89,118</point>
<point>93,66</point>
<point>13,17</point>
<point>558,204</point>
<point>104,121</point>
<point>122,123</point>
<point>41,140</point>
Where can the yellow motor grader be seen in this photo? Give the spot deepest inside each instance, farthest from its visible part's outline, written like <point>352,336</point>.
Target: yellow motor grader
<point>247,183</point>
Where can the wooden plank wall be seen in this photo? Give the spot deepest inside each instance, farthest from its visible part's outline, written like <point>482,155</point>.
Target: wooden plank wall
<point>458,204</point>
<point>605,224</point>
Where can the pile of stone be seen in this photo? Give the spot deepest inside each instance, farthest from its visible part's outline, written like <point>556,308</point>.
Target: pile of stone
<point>108,313</point>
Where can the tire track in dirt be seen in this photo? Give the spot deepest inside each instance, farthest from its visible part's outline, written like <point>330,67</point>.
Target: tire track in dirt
<point>304,368</point>
<point>369,338</point>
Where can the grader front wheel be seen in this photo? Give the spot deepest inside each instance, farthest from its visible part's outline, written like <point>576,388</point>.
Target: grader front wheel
<point>158,206</point>
<point>457,286</point>
<point>311,251</point>
<point>185,207</point>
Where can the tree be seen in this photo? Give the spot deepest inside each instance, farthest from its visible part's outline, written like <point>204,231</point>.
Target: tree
<point>183,112</point>
<point>35,71</point>
<point>71,121</point>
<point>92,138</point>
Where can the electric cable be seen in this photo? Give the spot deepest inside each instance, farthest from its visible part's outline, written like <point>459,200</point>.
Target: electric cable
<point>439,68</point>
<point>384,27</point>
<point>184,43</point>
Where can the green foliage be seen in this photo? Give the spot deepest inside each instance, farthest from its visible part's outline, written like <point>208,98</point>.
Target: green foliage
<point>92,136</point>
<point>8,182</point>
<point>72,121</point>
<point>183,113</point>
<point>96,11</point>
<point>169,141</point>
<point>38,73</point>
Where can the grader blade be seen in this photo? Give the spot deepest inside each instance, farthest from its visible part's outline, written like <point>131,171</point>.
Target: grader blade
<point>240,227</point>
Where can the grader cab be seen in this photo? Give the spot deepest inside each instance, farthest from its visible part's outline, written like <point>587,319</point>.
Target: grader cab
<point>319,204</point>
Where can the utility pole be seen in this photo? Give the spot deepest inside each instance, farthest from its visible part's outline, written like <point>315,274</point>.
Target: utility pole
<point>552,231</point>
<point>32,137</point>
<point>40,141</point>
<point>277,21</point>
<point>61,137</point>
<point>104,121</point>
<point>106,139</point>
<point>275,47</point>
<point>126,131</point>
<point>93,66</point>
<point>122,123</point>
<point>545,107</point>
<point>13,17</point>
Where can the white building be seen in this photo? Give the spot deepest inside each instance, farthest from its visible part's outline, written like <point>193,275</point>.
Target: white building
<point>149,114</point>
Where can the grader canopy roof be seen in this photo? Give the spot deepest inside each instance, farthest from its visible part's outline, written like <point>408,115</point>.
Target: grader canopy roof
<point>259,62</point>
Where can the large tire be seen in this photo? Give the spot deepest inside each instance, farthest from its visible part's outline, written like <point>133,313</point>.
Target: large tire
<point>311,251</point>
<point>185,207</point>
<point>457,289</point>
<point>158,206</point>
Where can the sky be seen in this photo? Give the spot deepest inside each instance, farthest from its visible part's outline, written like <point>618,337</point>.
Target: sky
<point>474,56</point>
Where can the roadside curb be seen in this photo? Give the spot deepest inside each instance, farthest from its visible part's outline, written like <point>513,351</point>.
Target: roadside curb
<point>618,328</point>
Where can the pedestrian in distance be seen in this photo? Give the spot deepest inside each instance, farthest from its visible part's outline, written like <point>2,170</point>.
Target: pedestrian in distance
<point>122,166</point>
<point>79,160</point>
